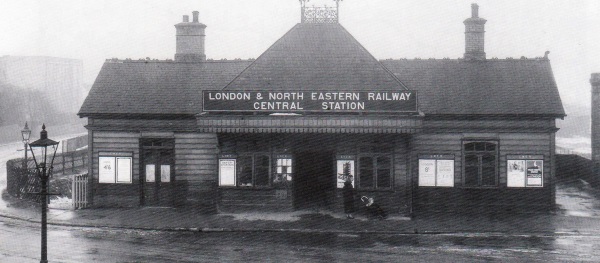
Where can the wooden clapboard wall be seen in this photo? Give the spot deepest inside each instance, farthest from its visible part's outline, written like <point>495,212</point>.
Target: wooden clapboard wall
<point>196,165</point>
<point>458,198</point>
<point>115,195</point>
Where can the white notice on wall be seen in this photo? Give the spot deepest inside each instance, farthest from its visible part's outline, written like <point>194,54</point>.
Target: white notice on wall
<point>227,172</point>
<point>165,173</point>
<point>106,167</point>
<point>123,169</point>
<point>426,172</point>
<point>150,173</point>
<point>345,170</point>
<point>515,173</point>
<point>445,173</point>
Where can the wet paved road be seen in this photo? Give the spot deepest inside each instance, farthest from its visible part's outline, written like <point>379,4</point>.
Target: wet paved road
<point>20,242</point>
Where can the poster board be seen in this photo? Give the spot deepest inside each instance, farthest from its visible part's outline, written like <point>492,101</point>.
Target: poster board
<point>524,171</point>
<point>227,168</point>
<point>115,167</point>
<point>124,169</point>
<point>436,170</point>
<point>345,168</point>
<point>106,170</point>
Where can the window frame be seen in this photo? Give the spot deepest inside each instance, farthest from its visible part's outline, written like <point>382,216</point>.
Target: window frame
<point>253,156</point>
<point>480,165</point>
<point>375,170</point>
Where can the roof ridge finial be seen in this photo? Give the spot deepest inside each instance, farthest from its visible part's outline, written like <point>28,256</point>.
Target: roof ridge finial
<point>319,14</point>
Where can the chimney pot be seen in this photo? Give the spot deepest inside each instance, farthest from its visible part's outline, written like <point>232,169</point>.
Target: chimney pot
<point>474,10</point>
<point>595,80</point>
<point>186,18</point>
<point>195,13</point>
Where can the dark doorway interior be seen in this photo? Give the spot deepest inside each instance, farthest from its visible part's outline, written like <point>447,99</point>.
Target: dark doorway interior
<point>314,182</point>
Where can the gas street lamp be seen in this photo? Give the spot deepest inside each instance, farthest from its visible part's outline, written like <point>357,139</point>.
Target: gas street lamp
<point>25,133</point>
<point>43,165</point>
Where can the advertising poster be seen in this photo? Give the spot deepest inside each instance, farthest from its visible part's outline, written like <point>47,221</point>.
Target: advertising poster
<point>515,173</point>
<point>124,169</point>
<point>165,173</point>
<point>427,172</point>
<point>150,173</point>
<point>534,173</point>
<point>445,173</point>
<point>227,172</point>
<point>106,167</point>
<point>345,169</point>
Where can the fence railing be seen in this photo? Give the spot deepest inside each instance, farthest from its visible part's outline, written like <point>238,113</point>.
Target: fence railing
<point>80,191</point>
<point>22,181</point>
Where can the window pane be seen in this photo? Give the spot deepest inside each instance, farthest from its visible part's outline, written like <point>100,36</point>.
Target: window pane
<point>366,172</point>
<point>262,170</point>
<point>488,160</point>
<point>471,160</point>
<point>488,178</point>
<point>244,171</point>
<point>383,162</point>
<point>383,178</point>
<point>490,147</point>
<point>479,146</point>
<point>384,165</point>
<point>471,175</point>
<point>470,146</point>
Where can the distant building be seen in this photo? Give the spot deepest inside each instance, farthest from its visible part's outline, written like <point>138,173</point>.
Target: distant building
<point>281,131</point>
<point>60,79</point>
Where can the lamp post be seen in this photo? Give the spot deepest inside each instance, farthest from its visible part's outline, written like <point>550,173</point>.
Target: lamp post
<point>44,170</point>
<point>25,133</point>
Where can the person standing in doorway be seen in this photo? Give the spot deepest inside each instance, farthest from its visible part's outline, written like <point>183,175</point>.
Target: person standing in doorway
<point>348,193</point>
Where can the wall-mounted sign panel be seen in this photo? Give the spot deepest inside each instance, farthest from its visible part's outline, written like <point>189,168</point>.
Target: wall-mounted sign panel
<point>535,173</point>
<point>445,173</point>
<point>515,173</point>
<point>345,171</point>
<point>310,101</point>
<point>227,172</point>
<point>115,167</point>
<point>106,170</point>
<point>165,173</point>
<point>524,171</point>
<point>427,172</point>
<point>150,173</point>
<point>124,169</point>
<point>436,170</point>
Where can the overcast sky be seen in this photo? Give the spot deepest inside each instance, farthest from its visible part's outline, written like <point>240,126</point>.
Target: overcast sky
<point>96,30</point>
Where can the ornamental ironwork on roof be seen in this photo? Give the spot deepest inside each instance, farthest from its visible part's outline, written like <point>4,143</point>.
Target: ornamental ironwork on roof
<point>319,14</point>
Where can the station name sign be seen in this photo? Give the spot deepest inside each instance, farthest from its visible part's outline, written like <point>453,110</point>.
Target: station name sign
<point>310,101</point>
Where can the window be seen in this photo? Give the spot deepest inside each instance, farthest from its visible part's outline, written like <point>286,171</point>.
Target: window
<point>253,170</point>
<point>480,164</point>
<point>283,172</point>
<point>375,172</point>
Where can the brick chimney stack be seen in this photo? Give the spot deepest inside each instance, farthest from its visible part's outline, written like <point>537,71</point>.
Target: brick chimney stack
<point>474,35</point>
<point>190,40</point>
<point>595,81</point>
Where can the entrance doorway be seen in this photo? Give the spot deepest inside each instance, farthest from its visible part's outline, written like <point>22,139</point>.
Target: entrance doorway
<point>157,175</point>
<point>314,180</point>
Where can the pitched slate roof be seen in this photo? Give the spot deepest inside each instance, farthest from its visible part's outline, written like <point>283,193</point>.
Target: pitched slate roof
<point>156,87</point>
<point>496,87</point>
<point>313,56</point>
<point>327,57</point>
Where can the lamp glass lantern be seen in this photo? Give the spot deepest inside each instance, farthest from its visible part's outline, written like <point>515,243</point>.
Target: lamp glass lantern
<point>43,157</point>
<point>25,133</point>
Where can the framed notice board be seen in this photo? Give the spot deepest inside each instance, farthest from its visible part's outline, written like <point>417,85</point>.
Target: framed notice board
<point>524,170</point>
<point>436,170</point>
